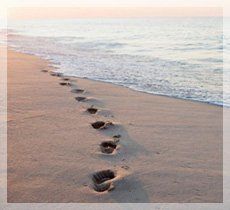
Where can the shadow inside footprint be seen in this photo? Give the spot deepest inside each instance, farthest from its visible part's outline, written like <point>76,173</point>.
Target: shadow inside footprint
<point>100,180</point>
<point>77,91</point>
<point>98,124</point>
<point>80,98</point>
<point>64,83</point>
<point>65,79</point>
<point>108,147</point>
<point>44,70</point>
<point>92,110</point>
<point>101,124</point>
<point>57,74</point>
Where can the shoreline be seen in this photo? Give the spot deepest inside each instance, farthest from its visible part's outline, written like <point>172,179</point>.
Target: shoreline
<point>51,64</point>
<point>153,94</point>
<point>170,150</point>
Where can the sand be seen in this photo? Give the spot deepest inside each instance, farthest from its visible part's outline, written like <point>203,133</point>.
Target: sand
<point>170,150</point>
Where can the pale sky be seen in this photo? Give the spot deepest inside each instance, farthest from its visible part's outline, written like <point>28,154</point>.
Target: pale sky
<point>110,3</point>
<point>121,3</point>
<point>108,12</point>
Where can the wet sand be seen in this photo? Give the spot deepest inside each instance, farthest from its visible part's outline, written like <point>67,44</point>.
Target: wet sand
<point>155,149</point>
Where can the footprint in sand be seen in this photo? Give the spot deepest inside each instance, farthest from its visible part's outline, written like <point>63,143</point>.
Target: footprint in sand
<point>56,74</point>
<point>101,124</point>
<point>108,147</point>
<point>89,100</point>
<point>92,110</point>
<point>64,83</point>
<point>102,180</point>
<point>81,98</point>
<point>77,90</point>
<point>44,70</point>
<point>65,79</point>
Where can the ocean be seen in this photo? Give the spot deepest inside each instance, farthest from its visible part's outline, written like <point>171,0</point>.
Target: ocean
<point>176,57</point>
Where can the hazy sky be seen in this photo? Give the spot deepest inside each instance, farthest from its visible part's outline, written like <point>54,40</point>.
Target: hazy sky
<point>108,3</point>
<point>115,3</point>
<point>91,12</point>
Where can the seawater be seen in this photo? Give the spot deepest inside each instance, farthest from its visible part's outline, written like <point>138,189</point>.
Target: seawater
<point>177,57</point>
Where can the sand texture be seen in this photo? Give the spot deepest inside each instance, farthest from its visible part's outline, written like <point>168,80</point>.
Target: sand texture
<point>146,148</point>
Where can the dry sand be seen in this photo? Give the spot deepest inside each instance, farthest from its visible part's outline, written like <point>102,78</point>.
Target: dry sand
<point>170,150</point>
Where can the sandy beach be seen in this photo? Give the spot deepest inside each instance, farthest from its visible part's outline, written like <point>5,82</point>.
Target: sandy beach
<point>164,149</point>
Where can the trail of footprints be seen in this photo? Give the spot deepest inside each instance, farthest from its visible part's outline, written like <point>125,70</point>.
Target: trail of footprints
<point>102,180</point>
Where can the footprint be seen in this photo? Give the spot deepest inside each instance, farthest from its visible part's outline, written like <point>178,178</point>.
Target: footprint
<point>102,180</point>
<point>44,70</point>
<point>92,110</point>
<point>57,74</point>
<point>64,83</point>
<point>80,98</point>
<point>101,124</point>
<point>77,90</point>
<point>90,101</point>
<point>108,147</point>
<point>65,79</point>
